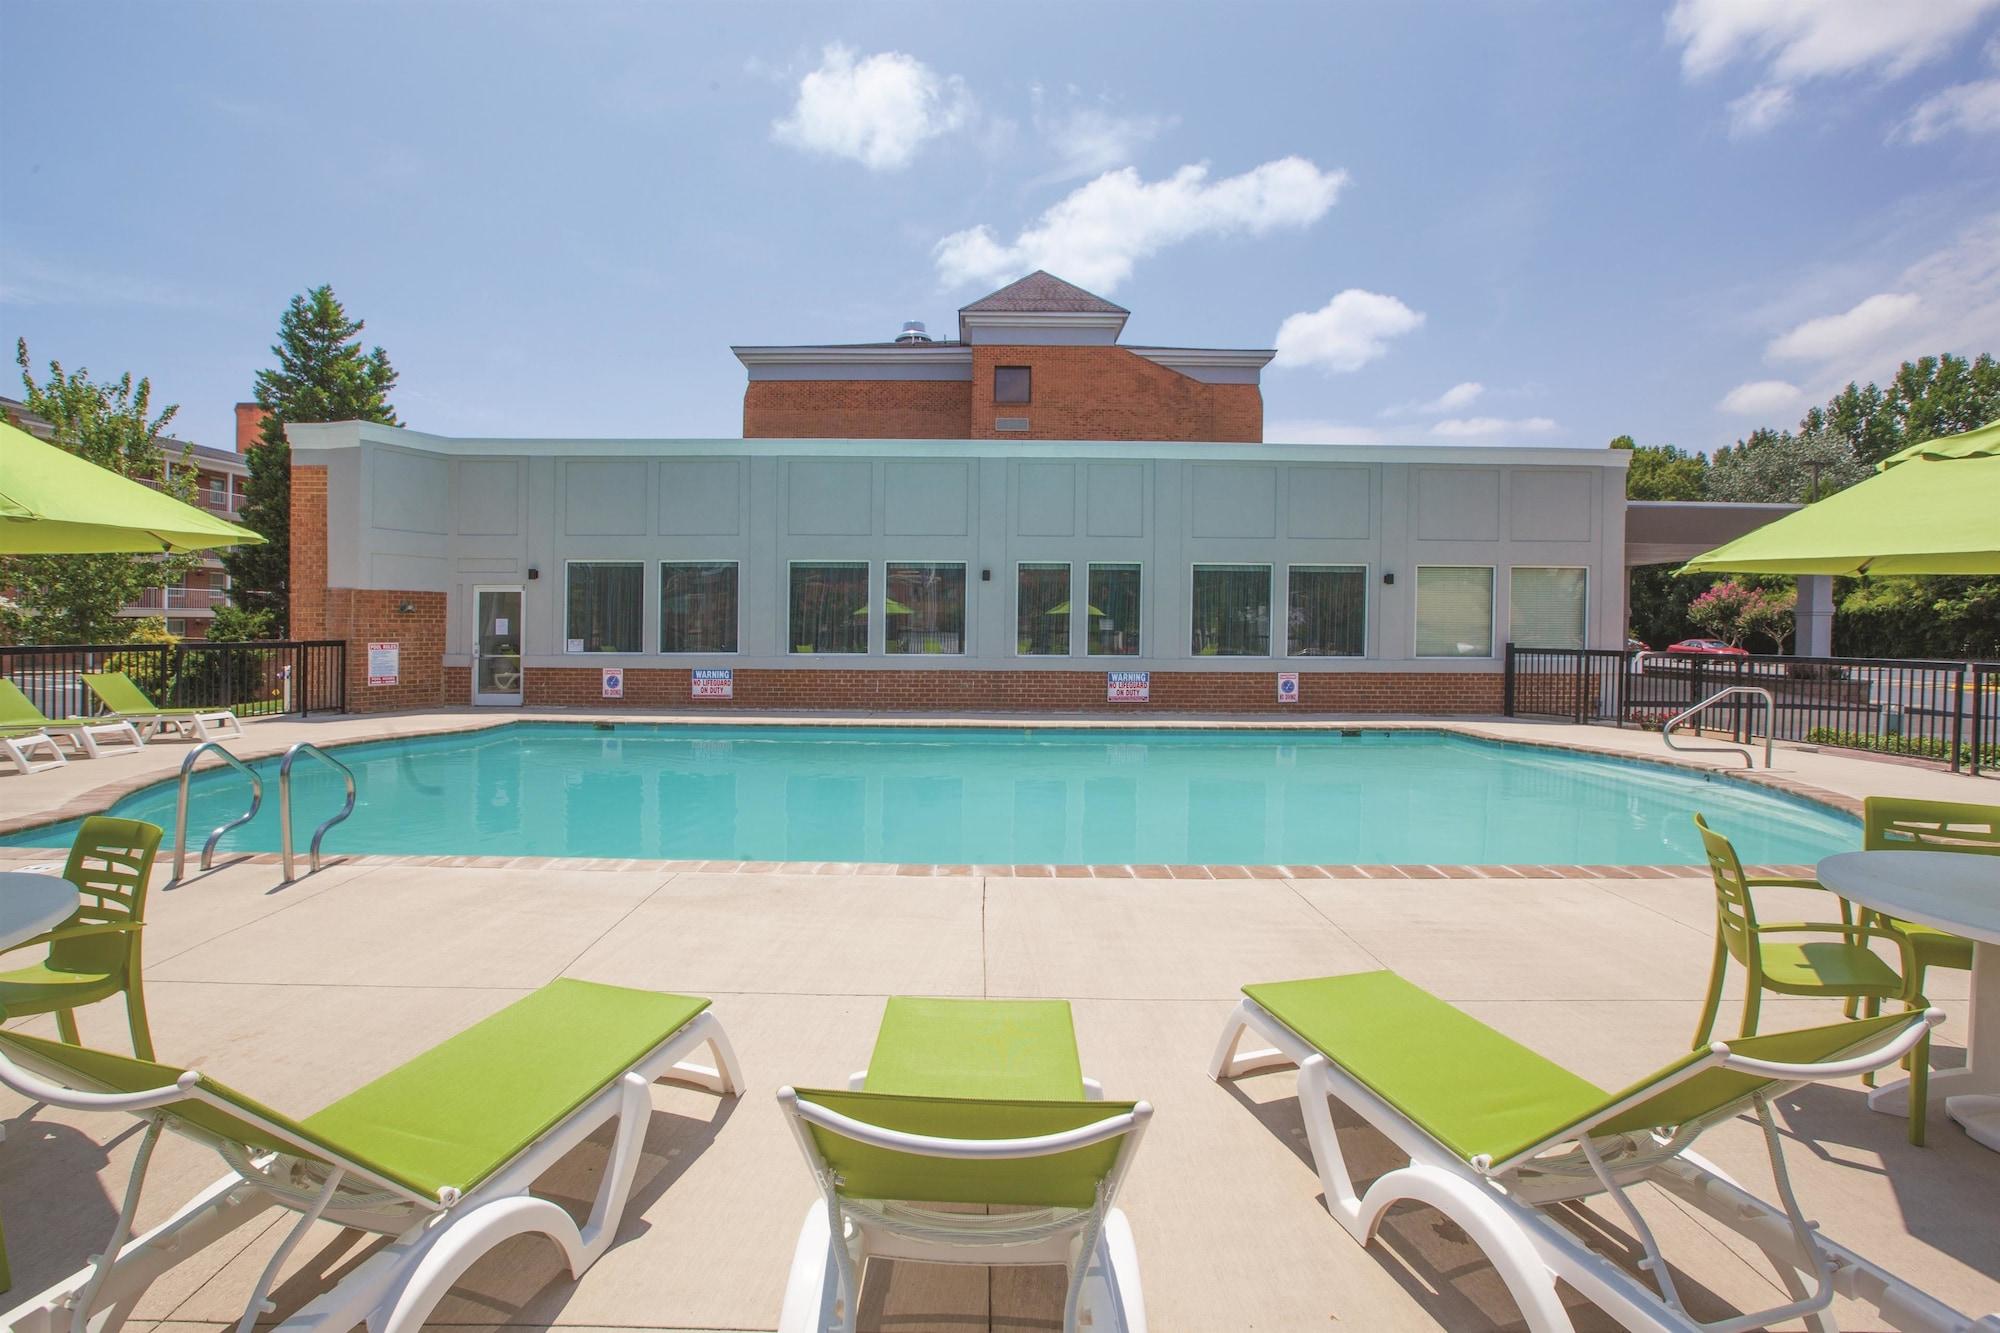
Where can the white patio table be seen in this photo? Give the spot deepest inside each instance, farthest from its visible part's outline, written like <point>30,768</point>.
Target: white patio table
<point>1958,892</point>
<point>31,904</point>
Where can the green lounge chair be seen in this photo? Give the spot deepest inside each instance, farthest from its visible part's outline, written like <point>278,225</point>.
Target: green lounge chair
<point>117,692</point>
<point>93,955</point>
<point>1496,1134</point>
<point>439,1154</point>
<point>967,1102</point>
<point>84,734</point>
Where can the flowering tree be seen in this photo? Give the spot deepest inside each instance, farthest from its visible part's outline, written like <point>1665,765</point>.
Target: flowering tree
<point>1734,611</point>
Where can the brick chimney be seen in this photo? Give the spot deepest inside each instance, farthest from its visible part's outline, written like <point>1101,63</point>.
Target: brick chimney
<point>249,426</point>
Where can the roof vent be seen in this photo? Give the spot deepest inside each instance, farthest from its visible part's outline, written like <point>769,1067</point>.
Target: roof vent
<point>913,332</point>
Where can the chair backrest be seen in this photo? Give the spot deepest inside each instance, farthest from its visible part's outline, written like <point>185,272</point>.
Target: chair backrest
<point>207,1111</point>
<point>120,693</point>
<point>110,862</point>
<point>16,708</point>
<point>1735,913</point>
<point>1900,824</point>
<point>1076,1177</point>
<point>1700,1089</point>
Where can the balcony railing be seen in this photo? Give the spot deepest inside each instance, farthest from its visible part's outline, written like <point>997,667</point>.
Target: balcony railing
<point>180,599</point>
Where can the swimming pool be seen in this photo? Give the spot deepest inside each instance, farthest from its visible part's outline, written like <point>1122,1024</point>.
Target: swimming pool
<point>1002,796</point>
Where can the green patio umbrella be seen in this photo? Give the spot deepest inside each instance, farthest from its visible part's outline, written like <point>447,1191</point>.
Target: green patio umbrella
<point>1934,508</point>
<point>54,503</point>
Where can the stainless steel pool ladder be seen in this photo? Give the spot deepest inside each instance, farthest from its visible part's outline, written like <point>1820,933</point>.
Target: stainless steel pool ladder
<point>1749,760</point>
<point>181,812</point>
<point>285,805</point>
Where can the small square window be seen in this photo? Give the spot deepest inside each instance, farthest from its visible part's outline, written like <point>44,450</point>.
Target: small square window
<point>1011,384</point>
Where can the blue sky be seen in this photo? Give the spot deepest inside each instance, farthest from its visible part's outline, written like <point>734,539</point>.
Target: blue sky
<point>1520,222</point>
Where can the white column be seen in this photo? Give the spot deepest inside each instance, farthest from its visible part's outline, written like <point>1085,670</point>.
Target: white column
<point>1815,615</point>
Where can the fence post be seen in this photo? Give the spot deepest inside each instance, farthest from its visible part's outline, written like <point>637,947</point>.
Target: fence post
<point>1958,714</point>
<point>343,675</point>
<point>1507,684</point>
<point>302,678</point>
<point>1577,704</point>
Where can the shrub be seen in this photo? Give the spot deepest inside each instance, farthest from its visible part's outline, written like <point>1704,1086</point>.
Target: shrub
<point>1921,747</point>
<point>151,671</point>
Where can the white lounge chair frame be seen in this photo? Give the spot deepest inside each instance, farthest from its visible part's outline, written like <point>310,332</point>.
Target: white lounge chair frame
<point>1499,1204</point>
<point>1094,1245</point>
<point>87,738</point>
<point>204,726</point>
<point>20,750</point>
<point>436,1239</point>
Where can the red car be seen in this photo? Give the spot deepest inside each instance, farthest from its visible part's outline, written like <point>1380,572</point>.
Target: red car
<point>1712,647</point>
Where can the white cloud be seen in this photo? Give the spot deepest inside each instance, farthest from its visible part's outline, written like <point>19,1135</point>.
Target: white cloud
<point>1760,398</point>
<point>1346,333</point>
<point>1320,432</point>
<point>877,110</point>
<point>1479,428</point>
<point>1791,42</point>
<point>1947,301</point>
<point>1455,399</point>
<point>1798,40</point>
<point>1970,108</point>
<point>1833,336</point>
<point>1088,140</point>
<point>1095,234</point>
<point>1758,110</point>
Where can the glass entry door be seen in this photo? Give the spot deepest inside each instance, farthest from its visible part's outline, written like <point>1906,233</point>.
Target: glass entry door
<point>496,646</point>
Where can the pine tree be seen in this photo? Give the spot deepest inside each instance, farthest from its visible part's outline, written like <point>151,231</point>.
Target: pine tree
<point>321,376</point>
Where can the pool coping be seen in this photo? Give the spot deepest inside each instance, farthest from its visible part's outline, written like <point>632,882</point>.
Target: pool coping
<point>98,799</point>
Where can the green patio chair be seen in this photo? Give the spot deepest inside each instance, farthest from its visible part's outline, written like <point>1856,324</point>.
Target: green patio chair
<point>1899,824</point>
<point>967,1103</point>
<point>18,715</point>
<point>1506,1143</point>
<point>1842,968</point>
<point>438,1156</point>
<point>119,693</point>
<point>95,953</point>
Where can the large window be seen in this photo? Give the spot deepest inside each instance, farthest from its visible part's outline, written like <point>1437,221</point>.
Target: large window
<point>1232,611</point>
<point>925,609</point>
<point>1012,384</point>
<point>1042,610</point>
<point>698,606</point>
<point>1454,611</point>
<point>1326,612</point>
<point>1113,611</point>
<point>829,606</point>
<point>1545,607</point>
<point>606,606</point>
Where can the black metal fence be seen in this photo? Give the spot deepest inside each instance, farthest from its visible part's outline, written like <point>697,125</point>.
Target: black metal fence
<point>261,679</point>
<point>1947,711</point>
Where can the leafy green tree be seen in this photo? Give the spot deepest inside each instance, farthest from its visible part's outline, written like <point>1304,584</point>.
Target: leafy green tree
<point>1663,472</point>
<point>1927,398</point>
<point>236,624</point>
<point>77,598</point>
<point>322,375</point>
<point>1779,467</point>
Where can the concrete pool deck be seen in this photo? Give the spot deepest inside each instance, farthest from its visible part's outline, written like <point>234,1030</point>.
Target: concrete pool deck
<point>378,960</point>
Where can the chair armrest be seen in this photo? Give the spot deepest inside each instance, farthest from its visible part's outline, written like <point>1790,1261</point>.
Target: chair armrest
<point>78,932</point>
<point>1781,883</point>
<point>1829,928</point>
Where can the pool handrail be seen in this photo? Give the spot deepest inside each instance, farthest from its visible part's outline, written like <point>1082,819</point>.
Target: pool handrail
<point>1749,760</point>
<point>285,805</point>
<point>181,809</point>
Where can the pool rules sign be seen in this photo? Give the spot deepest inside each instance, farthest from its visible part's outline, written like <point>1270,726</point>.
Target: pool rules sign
<point>1128,687</point>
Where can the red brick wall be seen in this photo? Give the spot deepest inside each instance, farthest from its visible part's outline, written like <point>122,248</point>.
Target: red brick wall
<point>856,409</point>
<point>1025,691</point>
<point>365,615</point>
<point>308,554</point>
<point>457,685</point>
<point>1108,393</point>
<point>249,426</point>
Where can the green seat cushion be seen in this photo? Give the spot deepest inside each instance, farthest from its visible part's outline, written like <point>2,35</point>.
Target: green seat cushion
<point>1020,1049</point>
<point>450,1117</point>
<point>39,989</point>
<point>1467,1086</point>
<point>1067,1180</point>
<point>464,1108</point>
<point>1826,964</point>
